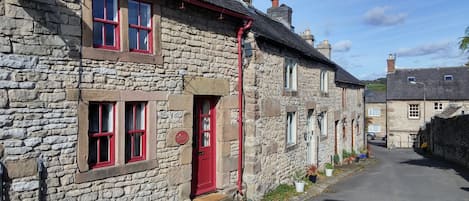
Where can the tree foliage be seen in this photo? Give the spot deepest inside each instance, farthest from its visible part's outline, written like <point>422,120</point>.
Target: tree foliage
<point>464,42</point>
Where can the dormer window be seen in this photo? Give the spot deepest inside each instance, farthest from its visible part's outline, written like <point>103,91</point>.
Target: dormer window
<point>448,77</point>
<point>411,79</point>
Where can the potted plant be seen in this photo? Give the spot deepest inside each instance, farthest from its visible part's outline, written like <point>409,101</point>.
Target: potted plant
<point>336,159</point>
<point>299,183</point>
<point>354,156</point>
<point>312,173</point>
<point>329,169</point>
<point>363,152</point>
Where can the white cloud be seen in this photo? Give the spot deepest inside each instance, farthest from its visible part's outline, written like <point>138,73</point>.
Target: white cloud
<point>425,49</point>
<point>377,16</point>
<point>342,46</point>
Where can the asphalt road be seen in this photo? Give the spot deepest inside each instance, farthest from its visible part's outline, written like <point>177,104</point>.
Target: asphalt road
<point>402,175</point>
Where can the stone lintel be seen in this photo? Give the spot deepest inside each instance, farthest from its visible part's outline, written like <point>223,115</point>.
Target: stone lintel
<point>291,108</point>
<point>115,95</point>
<point>180,102</point>
<point>310,105</point>
<point>270,108</point>
<point>21,168</point>
<point>206,86</point>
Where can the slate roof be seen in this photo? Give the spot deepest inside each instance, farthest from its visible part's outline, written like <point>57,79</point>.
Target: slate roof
<point>341,75</point>
<point>399,88</point>
<point>273,30</point>
<point>375,96</point>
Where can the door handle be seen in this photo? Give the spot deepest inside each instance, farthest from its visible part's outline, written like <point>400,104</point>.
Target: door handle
<point>201,153</point>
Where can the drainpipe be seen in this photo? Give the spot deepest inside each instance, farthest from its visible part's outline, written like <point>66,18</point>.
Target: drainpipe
<point>1,182</point>
<point>241,31</point>
<point>40,172</point>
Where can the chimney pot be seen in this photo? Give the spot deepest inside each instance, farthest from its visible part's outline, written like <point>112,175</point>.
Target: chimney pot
<point>391,63</point>
<point>275,3</point>
<point>325,48</point>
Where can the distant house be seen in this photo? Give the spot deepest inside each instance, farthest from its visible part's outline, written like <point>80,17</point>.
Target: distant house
<point>416,95</point>
<point>375,112</point>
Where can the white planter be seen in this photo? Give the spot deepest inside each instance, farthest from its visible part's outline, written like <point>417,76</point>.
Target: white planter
<point>300,186</point>
<point>329,172</point>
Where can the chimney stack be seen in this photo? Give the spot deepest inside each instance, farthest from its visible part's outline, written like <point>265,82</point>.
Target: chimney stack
<point>391,63</point>
<point>308,37</point>
<point>275,3</point>
<point>325,48</point>
<point>282,13</point>
<point>248,2</point>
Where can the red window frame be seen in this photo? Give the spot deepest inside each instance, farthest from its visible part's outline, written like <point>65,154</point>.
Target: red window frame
<point>100,134</point>
<point>105,21</point>
<point>132,132</point>
<point>139,27</point>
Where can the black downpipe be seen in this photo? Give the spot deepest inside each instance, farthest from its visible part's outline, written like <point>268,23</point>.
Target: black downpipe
<point>1,182</point>
<point>42,179</point>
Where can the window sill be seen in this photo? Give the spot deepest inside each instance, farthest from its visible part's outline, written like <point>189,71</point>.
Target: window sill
<point>290,147</point>
<point>106,172</point>
<point>287,92</point>
<point>323,138</point>
<point>115,55</point>
<point>325,94</point>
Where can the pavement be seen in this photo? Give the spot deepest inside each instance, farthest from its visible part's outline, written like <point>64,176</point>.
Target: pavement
<point>399,175</point>
<point>340,173</point>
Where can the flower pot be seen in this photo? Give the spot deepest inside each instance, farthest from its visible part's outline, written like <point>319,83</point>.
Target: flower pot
<point>329,172</point>
<point>299,186</point>
<point>362,156</point>
<point>312,178</point>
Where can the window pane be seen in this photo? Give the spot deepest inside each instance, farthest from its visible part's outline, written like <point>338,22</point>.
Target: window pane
<point>206,139</point>
<point>93,118</point>
<point>143,40</point>
<point>111,10</point>
<point>206,123</point>
<point>206,107</point>
<point>92,150</point>
<point>140,116</point>
<point>107,118</point>
<point>133,12</point>
<point>97,33</point>
<point>98,9</point>
<point>145,13</point>
<point>129,122</point>
<point>137,144</point>
<point>133,38</point>
<point>109,28</point>
<point>104,148</point>
<point>128,143</point>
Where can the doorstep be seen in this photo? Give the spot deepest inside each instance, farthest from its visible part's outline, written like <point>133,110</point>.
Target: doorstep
<point>212,197</point>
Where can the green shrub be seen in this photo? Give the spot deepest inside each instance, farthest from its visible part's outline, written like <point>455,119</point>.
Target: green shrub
<point>329,166</point>
<point>336,159</point>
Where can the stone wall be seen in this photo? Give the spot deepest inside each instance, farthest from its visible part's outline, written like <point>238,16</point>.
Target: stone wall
<point>40,67</point>
<point>448,138</point>
<point>268,160</point>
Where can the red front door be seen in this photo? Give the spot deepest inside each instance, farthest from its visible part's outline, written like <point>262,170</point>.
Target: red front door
<point>203,157</point>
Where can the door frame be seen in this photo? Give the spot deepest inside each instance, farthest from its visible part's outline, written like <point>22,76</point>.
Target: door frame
<point>195,191</point>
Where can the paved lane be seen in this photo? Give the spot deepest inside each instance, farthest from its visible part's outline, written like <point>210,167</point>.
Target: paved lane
<point>403,175</point>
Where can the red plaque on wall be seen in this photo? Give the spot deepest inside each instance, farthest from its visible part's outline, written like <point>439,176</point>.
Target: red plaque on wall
<point>182,137</point>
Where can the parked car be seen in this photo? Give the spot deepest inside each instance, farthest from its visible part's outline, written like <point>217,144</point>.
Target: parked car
<point>371,135</point>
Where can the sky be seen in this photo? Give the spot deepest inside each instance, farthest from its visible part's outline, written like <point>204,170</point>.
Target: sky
<point>422,33</point>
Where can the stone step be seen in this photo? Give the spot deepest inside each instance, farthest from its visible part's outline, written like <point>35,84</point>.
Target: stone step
<point>213,197</point>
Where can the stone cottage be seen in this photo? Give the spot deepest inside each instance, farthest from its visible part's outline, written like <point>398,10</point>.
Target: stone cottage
<point>118,99</point>
<point>140,99</point>
<point>375,112</point>
<point>415,96</point>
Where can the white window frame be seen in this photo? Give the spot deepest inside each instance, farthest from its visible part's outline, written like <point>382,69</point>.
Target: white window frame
<point>323,125</point>
<point>324,77</point>
<point>438,106</point>
<point>413,111</point>
<point>374,128</point>
<point>290,75</point>
<point>374,112</point>
<point>448,77</point>
<point>291,128</point>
